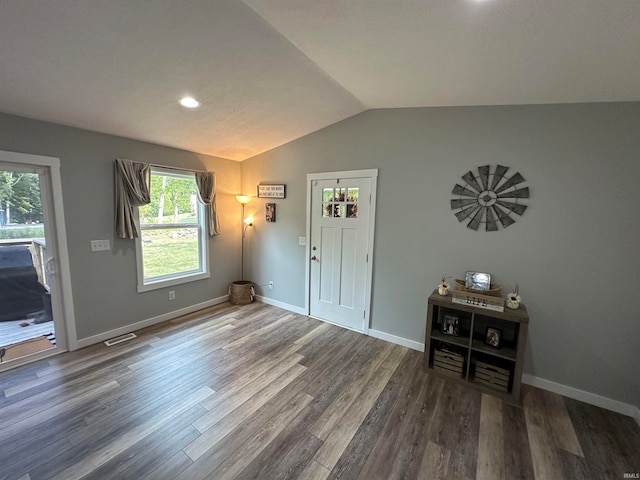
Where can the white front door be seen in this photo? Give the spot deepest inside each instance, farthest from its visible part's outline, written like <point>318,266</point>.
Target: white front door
<point>340,253</point>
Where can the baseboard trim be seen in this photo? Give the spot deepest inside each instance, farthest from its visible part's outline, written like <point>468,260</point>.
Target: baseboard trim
<point>101,337</point>
<point>583,396</point>
<point>405,342</point>
<point>284,306</point>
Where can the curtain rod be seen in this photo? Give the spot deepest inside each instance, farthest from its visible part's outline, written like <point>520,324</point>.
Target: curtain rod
<point>177,168</point>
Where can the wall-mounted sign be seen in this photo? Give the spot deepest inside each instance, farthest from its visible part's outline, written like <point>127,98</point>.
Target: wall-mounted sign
<point>271,191</point>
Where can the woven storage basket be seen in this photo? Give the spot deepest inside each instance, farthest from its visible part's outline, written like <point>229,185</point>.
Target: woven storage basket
<point>494,290</point>
<point>241,292</point>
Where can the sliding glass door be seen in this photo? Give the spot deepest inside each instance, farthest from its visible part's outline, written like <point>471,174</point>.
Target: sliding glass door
<point>33,319</point>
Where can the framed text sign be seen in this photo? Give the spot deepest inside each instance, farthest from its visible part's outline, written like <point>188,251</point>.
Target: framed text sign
<point>271,191</point>
<point>477,300</point>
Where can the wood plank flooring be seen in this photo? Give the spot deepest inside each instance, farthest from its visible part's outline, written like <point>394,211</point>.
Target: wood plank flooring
<point>255,392</point>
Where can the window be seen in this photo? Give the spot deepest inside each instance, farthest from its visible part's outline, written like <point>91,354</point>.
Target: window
<point>340,202</point>
<point>172,247</point>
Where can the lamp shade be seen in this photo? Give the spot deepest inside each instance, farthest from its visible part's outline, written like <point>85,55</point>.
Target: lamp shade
<point>243,199</point>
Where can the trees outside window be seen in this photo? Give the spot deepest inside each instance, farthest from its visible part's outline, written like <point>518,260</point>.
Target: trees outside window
<point>20,198</point>
<point>172,247</point>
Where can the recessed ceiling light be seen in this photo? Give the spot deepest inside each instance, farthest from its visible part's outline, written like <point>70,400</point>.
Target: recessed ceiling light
<point>189,102</point>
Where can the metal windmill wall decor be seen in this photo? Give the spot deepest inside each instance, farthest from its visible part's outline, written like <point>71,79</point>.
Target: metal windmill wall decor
<point>489,198</point>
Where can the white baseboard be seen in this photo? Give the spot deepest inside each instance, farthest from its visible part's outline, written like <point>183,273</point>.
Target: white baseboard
<point>586,397</point>
<point>405,342</point>
<point>284,306</point>
<point>101,337</point>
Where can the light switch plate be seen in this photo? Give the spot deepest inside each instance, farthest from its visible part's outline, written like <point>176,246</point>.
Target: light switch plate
<point>302,240</point>
<point>100,245</point>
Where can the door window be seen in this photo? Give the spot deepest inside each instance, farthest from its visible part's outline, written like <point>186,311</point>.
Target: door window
<point>340,202</point>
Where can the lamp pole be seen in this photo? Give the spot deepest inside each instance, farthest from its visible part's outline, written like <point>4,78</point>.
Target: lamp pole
<point>243,200</point>
<point>244,232</point>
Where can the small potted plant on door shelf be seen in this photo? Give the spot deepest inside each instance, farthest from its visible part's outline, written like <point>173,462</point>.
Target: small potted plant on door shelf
<point>513,298</point>
<point>443,286</point>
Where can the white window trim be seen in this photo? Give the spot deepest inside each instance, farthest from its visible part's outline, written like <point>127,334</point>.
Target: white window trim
<point>183,277</point>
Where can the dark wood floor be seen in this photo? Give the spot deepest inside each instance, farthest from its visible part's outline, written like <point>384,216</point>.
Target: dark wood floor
<point>256,392</point>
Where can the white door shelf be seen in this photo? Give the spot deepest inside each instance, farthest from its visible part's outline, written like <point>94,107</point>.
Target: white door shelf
<point>458,345</point>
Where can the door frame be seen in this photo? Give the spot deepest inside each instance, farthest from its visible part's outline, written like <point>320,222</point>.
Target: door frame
<point>62,303</point>
<point>368,173</point>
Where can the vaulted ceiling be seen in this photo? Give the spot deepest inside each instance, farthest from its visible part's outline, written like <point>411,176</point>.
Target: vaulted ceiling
<point>269,71</point>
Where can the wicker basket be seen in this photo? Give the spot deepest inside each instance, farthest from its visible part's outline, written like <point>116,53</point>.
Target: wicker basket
<point>494,290</point>
<point>241,292</point>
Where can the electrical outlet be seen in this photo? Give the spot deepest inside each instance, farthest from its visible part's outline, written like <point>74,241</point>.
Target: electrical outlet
<point>270,285</point>
<point>172,294</point>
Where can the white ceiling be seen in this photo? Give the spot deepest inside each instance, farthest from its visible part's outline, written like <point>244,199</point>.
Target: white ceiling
<point>269,71</point>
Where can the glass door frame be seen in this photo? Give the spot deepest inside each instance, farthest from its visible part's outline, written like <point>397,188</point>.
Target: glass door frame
<point>57,262</point>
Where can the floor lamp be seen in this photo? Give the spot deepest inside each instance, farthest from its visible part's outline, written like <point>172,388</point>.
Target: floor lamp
<point>247,222</point>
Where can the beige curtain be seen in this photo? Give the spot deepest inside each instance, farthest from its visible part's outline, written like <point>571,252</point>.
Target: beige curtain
<point>131,190</point>
<point>206,182</point>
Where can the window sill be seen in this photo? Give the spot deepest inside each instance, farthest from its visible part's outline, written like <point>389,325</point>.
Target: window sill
<point>164,283</point>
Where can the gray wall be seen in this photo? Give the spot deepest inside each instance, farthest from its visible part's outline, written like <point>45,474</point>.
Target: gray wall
<point>574,252</point>
<point>104,283</point>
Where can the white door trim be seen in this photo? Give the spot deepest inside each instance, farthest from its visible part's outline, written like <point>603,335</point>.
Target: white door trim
<point>373,175</point>
<point>63,305</point>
